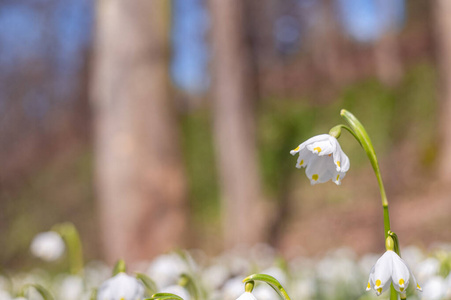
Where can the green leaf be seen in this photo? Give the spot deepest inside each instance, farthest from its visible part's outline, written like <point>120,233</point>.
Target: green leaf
<point>274,283</point>
<point>165,296</point>
<point>70,235</point>
<point>41,290</point>
<point>93,294</point>
<point>150,285</point>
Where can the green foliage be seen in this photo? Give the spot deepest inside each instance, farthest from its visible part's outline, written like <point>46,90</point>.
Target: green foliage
<point>197,142</point>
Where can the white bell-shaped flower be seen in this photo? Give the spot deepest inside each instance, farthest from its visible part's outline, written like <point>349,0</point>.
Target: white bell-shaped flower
<point>390,268</point>
<point>323,159</point>
<point>48,246</point>
<point>121,287</point>
<point>246,296</point>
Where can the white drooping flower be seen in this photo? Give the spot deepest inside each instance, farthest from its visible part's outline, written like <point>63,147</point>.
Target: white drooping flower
<point>48,246</point>
<point>246,296</point>
<point>166,269</point>
<point>323,159</point>
<point>390,268</point>
<point>121,287</point>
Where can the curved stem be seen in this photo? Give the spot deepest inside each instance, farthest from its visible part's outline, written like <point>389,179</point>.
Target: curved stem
<point>362,137</point>
<point>271,281</point>
<point>74,247</point>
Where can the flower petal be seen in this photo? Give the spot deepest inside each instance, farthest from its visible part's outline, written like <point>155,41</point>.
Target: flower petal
<point>319,169</point>
<point>304,158</point>
<point>316,138</point>
<point>321,148</point>
<point>400,273</point>
<point>382,272</point>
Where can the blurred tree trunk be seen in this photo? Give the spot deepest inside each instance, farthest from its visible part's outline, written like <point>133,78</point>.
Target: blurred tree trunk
<point>442,13</point>
<point>387,59</point>
<point>140,179</point>
<point>234,122</point>
<point>387,56</point>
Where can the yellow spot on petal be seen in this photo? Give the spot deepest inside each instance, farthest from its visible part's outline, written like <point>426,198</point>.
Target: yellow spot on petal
<point>378,283</point>
<point>317,149</point>
<point>401,281</point>
<point>338,177</point>
<point>315,177</point>
<point>368,286</point>
<point>297,149</point>
<point>302,162</point>
<point>379,290</point>
<point>338,163</point>
<point>418,287</point>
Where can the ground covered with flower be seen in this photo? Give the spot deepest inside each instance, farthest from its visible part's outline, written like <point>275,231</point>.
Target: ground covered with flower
<point>340,274</point>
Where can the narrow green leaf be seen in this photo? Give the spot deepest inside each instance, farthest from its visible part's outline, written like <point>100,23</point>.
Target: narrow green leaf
<point>150,285</point>
<point>165,296</point>
<point>41,290</point>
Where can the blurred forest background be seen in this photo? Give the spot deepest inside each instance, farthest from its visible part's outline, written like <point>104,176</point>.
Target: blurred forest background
<point>159,124</point>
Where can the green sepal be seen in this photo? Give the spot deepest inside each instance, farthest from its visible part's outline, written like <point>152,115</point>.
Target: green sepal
<point>119,267</point>
<point>45,294</point>
<point>164,296</point>
<point>149,284</point>
<point>396,242</point>
<point>274,283</point>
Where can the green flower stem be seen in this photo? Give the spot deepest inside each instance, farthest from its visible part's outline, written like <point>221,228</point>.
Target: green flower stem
<point>74,247</point>
<point>336,132</point>
<point>274,283</point>
<point>362,137</point>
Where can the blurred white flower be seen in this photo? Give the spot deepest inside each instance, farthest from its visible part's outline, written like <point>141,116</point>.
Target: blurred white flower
<point>166,269</point>
<point>323,158</point>
<point>4,295</point>
<point>435,288</point>
<point>232,288</point>
<point>177,290</point>
<point>246,296</point>
<point>265,292</point>
<point>427,268</point>
<point>48,246</point>
<point>121,287</point>
<point>390,268</point>
<point>71,288</point>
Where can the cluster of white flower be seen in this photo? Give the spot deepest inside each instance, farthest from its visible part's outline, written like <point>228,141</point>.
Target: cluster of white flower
<point>340,274</point>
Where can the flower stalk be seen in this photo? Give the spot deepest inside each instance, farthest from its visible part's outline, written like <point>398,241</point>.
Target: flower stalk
<point>74,247</point>
<point>274,283</point>
<point>362,137</point>
<point>359,132</point>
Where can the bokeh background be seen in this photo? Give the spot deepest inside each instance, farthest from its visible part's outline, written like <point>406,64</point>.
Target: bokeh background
<point>159,124</point>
